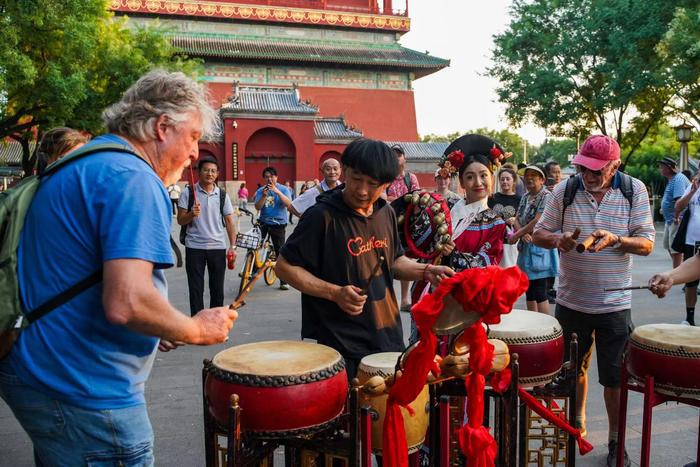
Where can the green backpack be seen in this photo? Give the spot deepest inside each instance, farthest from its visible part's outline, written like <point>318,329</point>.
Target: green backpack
<point>14,204</point>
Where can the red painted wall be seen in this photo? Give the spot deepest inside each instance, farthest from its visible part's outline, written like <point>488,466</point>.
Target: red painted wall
<point>300,135</point>
<point>219,93</point>
<point>380,114</point>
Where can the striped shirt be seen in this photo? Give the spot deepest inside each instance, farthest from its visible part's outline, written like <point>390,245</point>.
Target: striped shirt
<point>583,276</point>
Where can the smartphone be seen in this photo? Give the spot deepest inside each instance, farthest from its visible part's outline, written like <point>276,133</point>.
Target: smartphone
<point>550,182</point>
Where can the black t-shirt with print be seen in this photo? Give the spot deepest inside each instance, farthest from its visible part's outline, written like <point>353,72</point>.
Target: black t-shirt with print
<point>340,246</point>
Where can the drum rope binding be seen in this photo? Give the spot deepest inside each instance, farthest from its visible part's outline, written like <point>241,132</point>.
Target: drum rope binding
<point>275,381</point>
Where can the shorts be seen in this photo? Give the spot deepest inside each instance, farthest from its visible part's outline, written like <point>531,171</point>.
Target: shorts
<point>537,290</point>
<point>609,331</point>
<point>689,252</point>
<point>669,234</point>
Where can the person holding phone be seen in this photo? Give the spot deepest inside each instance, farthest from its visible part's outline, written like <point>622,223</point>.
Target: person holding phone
<point>271,201</point>
<point>690,200</point>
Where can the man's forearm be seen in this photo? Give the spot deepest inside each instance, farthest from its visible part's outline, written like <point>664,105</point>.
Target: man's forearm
<point>304,281</point>
<point>545,239</point>
<point>688,271</point>
<point>130,299</point>
<point>636,245</point>
<point>259,203</point>
<point>231,230</point>
<point>408,270</point>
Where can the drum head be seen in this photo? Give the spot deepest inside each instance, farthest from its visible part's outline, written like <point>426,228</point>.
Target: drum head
<point>276,358</point>
<point>381,364</point>
<point>525,324</point>
<point>669,336</point>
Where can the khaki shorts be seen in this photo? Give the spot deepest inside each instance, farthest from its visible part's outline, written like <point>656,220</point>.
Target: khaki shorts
<point>669,234</point>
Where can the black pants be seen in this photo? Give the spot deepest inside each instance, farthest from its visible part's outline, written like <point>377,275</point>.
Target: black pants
<point>195,263</point>
<point>277,235</point>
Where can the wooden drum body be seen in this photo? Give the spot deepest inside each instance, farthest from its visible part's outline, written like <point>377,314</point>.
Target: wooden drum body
<point>283,386</point>
<point>382,364</point>
<point>538,340</point>
<point>671,354</point>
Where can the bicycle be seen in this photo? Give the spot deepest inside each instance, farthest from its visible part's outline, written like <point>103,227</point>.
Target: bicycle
<point>259,259</point>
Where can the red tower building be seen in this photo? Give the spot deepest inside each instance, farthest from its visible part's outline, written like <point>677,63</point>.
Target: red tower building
<point>296,80</point>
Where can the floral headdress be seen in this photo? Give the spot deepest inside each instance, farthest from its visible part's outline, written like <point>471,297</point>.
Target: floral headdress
<point>451,163</point>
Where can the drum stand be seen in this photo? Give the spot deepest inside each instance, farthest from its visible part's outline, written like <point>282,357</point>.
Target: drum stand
<point>345,441</point>
<point>651,400</point>
<point>551,437</point>
<point>445,415</point>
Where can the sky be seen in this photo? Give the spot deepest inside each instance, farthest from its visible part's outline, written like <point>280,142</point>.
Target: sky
<point>460,97</point>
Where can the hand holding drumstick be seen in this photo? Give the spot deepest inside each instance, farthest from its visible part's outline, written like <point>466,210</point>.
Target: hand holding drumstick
<point>597,241</point>
<point>567,241</point>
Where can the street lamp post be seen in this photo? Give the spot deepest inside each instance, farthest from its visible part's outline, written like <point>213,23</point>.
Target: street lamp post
<point>683,135</point>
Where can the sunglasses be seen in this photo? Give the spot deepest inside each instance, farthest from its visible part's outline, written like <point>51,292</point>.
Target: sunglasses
<point>582,170</point>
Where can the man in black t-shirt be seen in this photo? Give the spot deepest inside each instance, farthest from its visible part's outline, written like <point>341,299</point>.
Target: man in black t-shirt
<point>344,255</point>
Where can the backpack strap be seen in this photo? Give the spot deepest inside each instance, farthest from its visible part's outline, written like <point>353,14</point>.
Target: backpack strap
<point>627,188</point>
<point>572,185</point>
<point>190,198</point>
<point>222,201</point>
<point>86,150</point>
<point>407,180</point>
<point>65,296</point>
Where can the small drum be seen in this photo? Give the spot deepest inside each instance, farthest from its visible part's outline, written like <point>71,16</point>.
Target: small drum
<point>671,354</point>
<point>537,339</point>
<point>382,364</point>
<point>283,386</point>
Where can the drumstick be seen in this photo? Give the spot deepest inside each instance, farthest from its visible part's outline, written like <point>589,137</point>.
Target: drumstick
<point>380,260</point>
<point>586,244</point>
<point>631,287</point>
<point>194,192</point>
<point>239,301</point>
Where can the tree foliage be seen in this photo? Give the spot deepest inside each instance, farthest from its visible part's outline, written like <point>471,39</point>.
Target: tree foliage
<point>555,149</point>
<point>680,51</point>
<point>576,66</point>
<point>62,62</point>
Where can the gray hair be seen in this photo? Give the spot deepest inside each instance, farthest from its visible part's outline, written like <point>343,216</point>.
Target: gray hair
<point>157,93</point>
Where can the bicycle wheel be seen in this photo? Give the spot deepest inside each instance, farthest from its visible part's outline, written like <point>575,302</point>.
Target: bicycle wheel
<point>246,272</point>
<point>270,275</point>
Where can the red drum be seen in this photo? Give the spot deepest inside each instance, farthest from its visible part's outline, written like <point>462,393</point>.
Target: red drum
<point>537,339</point>
<point>671,354</point>
<point>283,386</point>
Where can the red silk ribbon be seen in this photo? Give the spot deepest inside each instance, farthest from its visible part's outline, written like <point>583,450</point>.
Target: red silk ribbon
<point>489,291</point>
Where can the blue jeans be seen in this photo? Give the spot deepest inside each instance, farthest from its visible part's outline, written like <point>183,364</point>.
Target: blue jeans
<point>66,435</point>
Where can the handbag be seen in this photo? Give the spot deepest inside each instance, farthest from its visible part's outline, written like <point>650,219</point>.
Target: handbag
<point>678,243</point>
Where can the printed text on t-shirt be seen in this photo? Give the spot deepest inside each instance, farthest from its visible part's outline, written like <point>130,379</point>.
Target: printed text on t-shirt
<point>358,246</point>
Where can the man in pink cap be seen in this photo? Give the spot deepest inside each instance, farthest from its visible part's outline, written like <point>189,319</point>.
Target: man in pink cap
<point>613,208</point>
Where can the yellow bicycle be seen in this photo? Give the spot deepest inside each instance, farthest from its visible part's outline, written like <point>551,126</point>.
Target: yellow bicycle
<point>259,259</point>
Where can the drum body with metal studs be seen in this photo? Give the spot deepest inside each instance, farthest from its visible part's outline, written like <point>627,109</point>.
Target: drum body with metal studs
<point>671,354</point>
<point>538,340</point>
<point>415,426</point>
<point>284,387</point>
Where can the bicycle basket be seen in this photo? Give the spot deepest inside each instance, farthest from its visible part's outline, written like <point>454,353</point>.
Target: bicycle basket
<point>250,239</point>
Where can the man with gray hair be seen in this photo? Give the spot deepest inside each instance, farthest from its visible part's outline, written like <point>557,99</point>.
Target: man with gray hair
<point>75,378</point>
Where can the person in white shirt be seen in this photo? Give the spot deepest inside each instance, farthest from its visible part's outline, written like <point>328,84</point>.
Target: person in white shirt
<point>331,176</point>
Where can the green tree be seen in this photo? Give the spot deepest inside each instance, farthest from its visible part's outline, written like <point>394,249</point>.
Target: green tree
<point>680,51</point>
<point>555,149</point>
<point>62,62</point>
<point>573,66</point>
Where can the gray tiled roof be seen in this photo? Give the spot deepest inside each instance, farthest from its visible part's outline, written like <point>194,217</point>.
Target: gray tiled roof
<point>334,129</point>
<point>266,99</point>
<point>11,152</point>
<point>307,51</point>
<point>421,151</point>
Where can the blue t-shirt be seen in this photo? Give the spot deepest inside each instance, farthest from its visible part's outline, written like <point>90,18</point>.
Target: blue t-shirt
<point>274,212</point>
<point>674,190</point>
<point>102,207</point>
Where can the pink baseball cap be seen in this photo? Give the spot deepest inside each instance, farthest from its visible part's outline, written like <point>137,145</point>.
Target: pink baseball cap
<point>597,151</point>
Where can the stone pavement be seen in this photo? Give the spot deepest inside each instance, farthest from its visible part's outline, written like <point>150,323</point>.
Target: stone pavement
<point>174,389</point>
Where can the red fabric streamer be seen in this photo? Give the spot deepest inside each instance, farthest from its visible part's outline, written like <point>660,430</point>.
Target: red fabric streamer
<point>584,447</point>
<point>491,292</point>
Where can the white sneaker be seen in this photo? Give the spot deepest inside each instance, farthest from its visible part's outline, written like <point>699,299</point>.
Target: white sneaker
<point>685,323</point>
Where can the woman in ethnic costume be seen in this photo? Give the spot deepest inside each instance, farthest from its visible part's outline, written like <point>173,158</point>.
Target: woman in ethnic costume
<point>478,232</point>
